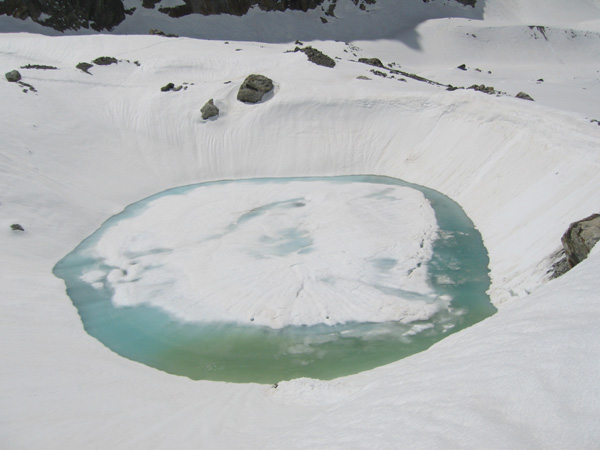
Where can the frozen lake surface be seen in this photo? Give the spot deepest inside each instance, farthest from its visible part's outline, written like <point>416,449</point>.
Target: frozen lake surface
<point>271,279</point>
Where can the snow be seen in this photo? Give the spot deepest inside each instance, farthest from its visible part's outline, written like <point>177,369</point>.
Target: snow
<point>276,254</point>
<point>85,146</point>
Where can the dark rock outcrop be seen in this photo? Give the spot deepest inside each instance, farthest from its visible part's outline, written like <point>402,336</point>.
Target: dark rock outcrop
<point>13,76</point>
<point>39,67</point>
<point>16,227</point>
<point>580,238</point>
<point>209,110</point>
<point>254,88</point>
<point>105,61</point>
<point>316,56</point>
<point>371,61</point>
<point>84,67</point>
<point>235,7</point>
<point>67,14</point>
<point>167,87</point>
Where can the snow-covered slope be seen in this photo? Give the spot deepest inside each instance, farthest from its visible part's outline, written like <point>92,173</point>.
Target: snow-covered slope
<point>84,146</point>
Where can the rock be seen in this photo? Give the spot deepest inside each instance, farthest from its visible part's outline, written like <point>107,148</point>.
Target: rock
<point>379,73</point>
<point>83,66</point>
<point>462,67</point>
<point>483,88</point>
<point>105,61</point>
<point>371,61</point>
<point>580,238</point>
<point>209,110</point>
<point>16,227</point>
<point>254,88</point>
<point>316,56</point>
<point>39,67</point>
<point>13,76</point>
<point>167,87</point>
<point>68,14</point>
<point>362,77</point>
<point>524,96</point>
<point>156,32</point>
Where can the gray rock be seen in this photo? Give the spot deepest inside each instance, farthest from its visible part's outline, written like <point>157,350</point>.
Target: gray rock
<point>105,61</point>
<point>524,96</point>
<point>16,227</point>
<point>85,67</point>
<point>316,56</point>
<point>209,110</point>
<point>580,238</point>
<point>254,88</point>
<point>13,76</point>
<point>167,87</point>
<point>462,67</point>
<point>371,61</point>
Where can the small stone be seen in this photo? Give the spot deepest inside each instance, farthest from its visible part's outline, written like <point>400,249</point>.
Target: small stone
<point>167,87</point>
<point>13,76</point>
<point>362,77</point>
<point>16,227</point>
<point>524,96</point>
<point>462,67</point>
<point>254,88</point>
<point>209,110</point>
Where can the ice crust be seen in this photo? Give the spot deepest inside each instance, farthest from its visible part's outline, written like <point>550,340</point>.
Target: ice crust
<point>276,254</point>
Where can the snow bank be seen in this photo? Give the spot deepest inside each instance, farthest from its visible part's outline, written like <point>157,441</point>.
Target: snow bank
<point>85,146</point>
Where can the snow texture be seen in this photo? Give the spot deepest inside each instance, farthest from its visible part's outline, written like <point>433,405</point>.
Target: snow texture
<point>83,147</point>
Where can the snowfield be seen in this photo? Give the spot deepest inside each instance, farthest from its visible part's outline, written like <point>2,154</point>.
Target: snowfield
<point>84,146</point>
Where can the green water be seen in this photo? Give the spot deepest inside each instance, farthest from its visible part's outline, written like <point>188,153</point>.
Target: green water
<point>250,353</point>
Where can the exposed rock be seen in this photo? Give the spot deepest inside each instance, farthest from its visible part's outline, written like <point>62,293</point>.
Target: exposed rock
<point>462,67</point>
<point>524,96</point>
<point>254,88</point>
<point>16,227</point>
<point>85,67</point>
<point>371,61</point>
<point>580,238</point>
<point>235,7</point>
<point>209,110</point>
<point>13,76</point>
<point>483,88</point>
<point>316,56</point>
<point>156,32</point>
<point>39,67</point>
<point>167,87</point>
<point>362,77</point>
<point>105,60</point>
<point>379,73</point>
<point>67,14</point>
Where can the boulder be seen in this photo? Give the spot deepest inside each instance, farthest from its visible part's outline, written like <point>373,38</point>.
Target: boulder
<point>524,96</point>
<point>316,56</point>
<point>167,87</point>
<point>85,67</point>
<point>371,61</point>
<point>254,88</point>
<point>209,110</point>
<point>105,61</point>
<point>16,227</point>
<point>580,238</point>
<point>13,76</point>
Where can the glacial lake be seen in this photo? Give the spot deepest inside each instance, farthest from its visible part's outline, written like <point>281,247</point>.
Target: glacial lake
<point>213,282</point>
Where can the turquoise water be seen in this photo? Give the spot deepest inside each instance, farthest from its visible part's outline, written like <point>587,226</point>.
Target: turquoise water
<point>251,353</point>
